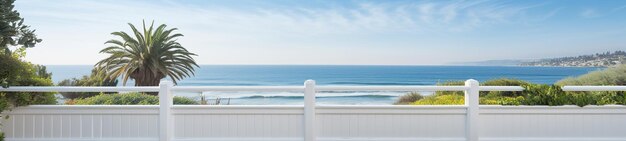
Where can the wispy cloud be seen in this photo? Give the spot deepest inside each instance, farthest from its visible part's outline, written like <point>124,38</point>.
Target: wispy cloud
<point>401,32</point>
<point>589,13</point>
<point>619,8</point>
<point>433,16</point>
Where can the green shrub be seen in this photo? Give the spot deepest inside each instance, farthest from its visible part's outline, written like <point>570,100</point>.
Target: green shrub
<point>534,94</point>
<point>9,70</point>
<point>503,82</point>
<point>450,83</point>
<point>15,72</point>
<point>493,82</point>
<point>95,79</point>
<point>501,100</point>
<point>127,99</point>
<point>486,98</point>
<point>541,94</point>
<point>451,99</point>
<point>610,76</point>
<point>409,98</point>
<point>25,74</point>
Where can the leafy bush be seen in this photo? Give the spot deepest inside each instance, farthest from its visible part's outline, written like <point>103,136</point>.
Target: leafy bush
<point>95,79</point>
<point>610,76</point>
<point>127,99</point>
<point>450,83</point>
<point>25,74</point>
<point>451,99</point>
<point>184,101</point>
<point>493,82</point>
<point>9,70</point>
<point>551,95</point>
<point>503,82</point>
<point>15,72</point>
<point>409,98</point>
<point>535,94</point>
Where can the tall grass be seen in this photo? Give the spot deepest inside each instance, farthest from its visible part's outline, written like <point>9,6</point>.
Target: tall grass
<point>538,94</point>
<point>127,99</point>
<point>610,76</point>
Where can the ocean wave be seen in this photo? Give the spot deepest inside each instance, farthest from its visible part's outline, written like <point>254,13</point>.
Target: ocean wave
<point>379,83</point>
<point>322,97</point>
<point>243,95</point>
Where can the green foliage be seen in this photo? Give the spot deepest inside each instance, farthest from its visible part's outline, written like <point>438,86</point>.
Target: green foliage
<point>13,31</point>
<point>26,74</point>
<point>148,56</point>
<point>127,99</point>
<point>185,101</point>
<point>610,76</point>
<point>409,98</point>
<point>450,83</point>
<point>10,68</point>
<point>21,73</point>
<point>503,82</point>
<point>501,100</point>
<point>545,95</point>
<point>13,71</point>
<point>451,99</point>
<point>536,94</point>
<point>95,79</point>
<point>494,82</point>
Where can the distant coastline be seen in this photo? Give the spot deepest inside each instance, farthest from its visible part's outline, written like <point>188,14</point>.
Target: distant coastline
<point>603,60</point>
<point>606,59</point>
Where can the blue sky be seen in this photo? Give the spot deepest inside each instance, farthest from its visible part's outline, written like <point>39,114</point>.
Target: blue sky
<point>336,32</point>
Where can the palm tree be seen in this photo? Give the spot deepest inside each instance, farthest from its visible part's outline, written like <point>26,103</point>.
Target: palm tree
<point>147,57</point>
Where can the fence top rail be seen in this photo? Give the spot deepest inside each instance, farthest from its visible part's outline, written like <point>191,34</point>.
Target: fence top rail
<point>238,88</point>
<point>501,88</point>
<point>76,89</point>
<point>290,88</point>
<point>235,88</point>
<point>343,88</point>
<point>391,88</point>
<point>594,88</point>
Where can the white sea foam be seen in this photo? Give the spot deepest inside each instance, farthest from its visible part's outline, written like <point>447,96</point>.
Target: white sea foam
<point>300,95</point>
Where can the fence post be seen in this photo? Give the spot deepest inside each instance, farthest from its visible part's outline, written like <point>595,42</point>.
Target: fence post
<point>472,102</point>
<point>309,110</point>
<point>166,125</point>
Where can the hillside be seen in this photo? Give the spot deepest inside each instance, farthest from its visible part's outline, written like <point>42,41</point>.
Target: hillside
<point>596,60</point>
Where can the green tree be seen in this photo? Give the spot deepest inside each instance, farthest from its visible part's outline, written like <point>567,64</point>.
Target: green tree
<point>95,79</point>
<point>13,70</point>
<point>13,31</point>
<point>148,56</point>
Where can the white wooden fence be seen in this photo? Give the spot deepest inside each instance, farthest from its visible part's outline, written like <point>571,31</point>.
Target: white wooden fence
<point>310,122</point>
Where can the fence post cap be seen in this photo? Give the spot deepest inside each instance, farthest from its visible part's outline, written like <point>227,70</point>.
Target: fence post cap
<point>471,81</point>
<point>166,82</point>
<point>309,82</point>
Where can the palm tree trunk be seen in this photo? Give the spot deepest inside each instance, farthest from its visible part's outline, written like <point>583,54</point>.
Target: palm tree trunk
<point>144,77</point>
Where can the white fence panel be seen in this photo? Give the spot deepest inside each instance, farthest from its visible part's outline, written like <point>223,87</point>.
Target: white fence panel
<point>334,123</point>
<point>311,122</point>
<point>82,123</point>
<point>559,123</point>
<point>218,123</point>
<point>391,123</point>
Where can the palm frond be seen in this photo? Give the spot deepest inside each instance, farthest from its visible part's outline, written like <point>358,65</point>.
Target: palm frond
<point>147,56</point>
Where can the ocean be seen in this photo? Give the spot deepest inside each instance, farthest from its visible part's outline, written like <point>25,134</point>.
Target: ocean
<point>345,75</point>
